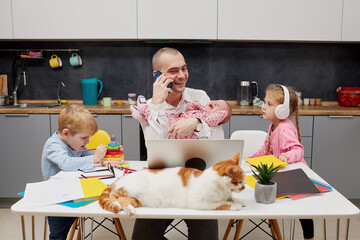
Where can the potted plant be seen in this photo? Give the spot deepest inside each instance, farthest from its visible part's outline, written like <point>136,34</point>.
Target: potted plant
<point>265,189</point>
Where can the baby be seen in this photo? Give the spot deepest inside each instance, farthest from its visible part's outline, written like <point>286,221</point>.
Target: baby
<point>213,113</point>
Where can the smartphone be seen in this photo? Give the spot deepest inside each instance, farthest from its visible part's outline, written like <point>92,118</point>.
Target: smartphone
<point>157,74</point>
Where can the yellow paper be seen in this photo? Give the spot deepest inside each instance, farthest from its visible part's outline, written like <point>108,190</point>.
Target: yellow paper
<point>268,159</point>
<point>92,187</point>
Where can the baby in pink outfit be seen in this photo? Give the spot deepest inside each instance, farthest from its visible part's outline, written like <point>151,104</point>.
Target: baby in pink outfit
<point>213,113</point>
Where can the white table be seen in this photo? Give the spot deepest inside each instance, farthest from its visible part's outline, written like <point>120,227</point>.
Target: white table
<point>324,205</point>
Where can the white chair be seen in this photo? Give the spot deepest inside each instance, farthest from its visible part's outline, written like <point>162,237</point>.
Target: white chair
<point>253,141</point>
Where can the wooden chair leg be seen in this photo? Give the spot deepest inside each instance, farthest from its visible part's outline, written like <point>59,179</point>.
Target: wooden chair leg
<point>119,229</point>
<point>226,234</point>
<point>23,227</point>
<point>45,227</point>
<point>72,229</point>
<point>275,230</point>
<point>238,229</point>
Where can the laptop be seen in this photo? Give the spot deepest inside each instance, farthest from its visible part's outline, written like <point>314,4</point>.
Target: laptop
<point>196,153</point>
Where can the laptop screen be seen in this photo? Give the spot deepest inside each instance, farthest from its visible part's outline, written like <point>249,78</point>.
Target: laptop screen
<point>195,153</point>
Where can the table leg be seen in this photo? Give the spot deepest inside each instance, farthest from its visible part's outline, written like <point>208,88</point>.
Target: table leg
<point>45,227</point>
<point>23,227</point>
<point>82,228</point>
<point>337,228</point>
<point>33,227</point>
<point>324,229</point>
<point>347,228</point>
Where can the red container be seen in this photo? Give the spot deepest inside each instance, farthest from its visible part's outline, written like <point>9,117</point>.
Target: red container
<point>348,96</point>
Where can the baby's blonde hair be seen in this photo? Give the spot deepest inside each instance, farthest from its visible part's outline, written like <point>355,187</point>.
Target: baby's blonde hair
<point>277,92</point>
<point>77,119</point>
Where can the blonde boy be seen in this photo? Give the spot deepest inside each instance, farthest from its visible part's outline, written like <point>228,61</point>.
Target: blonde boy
<point>75,126</point>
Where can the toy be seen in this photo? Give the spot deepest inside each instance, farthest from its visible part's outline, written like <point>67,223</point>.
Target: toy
<point>114,154</point>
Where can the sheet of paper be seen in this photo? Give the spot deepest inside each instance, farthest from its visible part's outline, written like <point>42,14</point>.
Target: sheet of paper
<point>52,191</point>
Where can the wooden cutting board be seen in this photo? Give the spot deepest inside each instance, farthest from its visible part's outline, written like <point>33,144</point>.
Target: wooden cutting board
<point>3,84</point>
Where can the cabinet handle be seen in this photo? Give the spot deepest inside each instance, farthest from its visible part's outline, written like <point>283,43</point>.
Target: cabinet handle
<point>94,115</point>
<point>338,116</point>
<point>16,115</point>
<point>127,116</point>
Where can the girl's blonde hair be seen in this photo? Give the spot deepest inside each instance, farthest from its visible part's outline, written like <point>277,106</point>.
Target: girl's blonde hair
<point>277,92</point>
<point>77,119</point>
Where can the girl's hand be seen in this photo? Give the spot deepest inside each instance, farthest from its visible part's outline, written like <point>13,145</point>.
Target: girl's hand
<point>282,158</point>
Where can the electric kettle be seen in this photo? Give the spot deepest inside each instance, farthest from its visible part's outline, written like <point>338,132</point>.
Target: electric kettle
<point>246,90</point>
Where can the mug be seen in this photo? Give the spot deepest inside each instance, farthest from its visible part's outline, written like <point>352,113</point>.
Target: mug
<point>55,61</point>
<point>106,101</point>
<point>75,60</point>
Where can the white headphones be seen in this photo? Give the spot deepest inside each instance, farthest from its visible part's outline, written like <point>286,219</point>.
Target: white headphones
<point>283,110</point>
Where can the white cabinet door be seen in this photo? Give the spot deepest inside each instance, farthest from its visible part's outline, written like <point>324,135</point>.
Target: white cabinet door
<point>280,19</point>
<point>5,20</point>
<point>170,19</point>
<point>351,20</point>
<point>80,19</point>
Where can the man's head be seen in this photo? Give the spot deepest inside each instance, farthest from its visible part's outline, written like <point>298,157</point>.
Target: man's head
<point>172,64</point>
<point>75,126</point>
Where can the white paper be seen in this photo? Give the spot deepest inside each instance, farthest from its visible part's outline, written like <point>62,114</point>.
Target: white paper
<point>52,191</point>
<point>67,175</point>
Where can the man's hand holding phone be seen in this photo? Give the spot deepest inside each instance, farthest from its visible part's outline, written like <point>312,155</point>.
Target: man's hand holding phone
<point>161,88</point>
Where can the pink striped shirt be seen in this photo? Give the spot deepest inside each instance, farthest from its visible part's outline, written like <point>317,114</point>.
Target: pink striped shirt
<point>284,141</point>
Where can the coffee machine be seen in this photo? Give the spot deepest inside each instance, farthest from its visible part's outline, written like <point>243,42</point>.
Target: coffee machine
<point>246,90</point>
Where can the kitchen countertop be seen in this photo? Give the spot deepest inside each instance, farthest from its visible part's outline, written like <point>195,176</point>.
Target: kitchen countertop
<point>326,108</point>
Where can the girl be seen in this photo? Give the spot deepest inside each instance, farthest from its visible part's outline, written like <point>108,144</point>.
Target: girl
<point>283,140</point>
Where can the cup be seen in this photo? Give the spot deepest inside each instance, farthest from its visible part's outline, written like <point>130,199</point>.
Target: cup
<point>106,101</point>
<point>312,101</point>
<point>317,101</point>
<point>306,101</point>
<point>132,98</point>
<point>55,61</point>
<point>75,60</point>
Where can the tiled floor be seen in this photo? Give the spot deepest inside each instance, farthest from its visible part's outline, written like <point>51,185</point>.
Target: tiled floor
<point>10,228</point>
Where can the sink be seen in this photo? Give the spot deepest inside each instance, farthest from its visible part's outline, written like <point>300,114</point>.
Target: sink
<point>32,105</point>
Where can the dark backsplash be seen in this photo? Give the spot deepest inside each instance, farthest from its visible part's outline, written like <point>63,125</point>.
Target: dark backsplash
<point>315,69</point>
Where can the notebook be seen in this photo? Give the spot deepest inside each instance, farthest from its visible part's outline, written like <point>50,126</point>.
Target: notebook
<point>195,153</point>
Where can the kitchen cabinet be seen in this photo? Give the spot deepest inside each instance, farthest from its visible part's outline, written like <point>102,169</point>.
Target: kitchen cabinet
<point>256,122</point>
<point>131,137</point>
<point>336,152</point>
<point>280,20</point>
<point>81,19</point>
<point>351,20</point>
<point>170,19</point>
<point>5,20</point>
<point>22,139</point>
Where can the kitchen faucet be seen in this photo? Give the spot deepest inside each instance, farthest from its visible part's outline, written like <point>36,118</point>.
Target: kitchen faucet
<point>58,92</point>
<point>16,86</point>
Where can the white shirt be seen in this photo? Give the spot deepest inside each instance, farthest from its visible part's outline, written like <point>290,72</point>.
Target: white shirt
<point>159,123</point>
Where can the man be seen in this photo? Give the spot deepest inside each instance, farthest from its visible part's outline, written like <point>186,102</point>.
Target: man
<point>171,63</point>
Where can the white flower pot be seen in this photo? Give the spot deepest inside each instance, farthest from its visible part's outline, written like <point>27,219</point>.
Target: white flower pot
<point>265,193</point>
